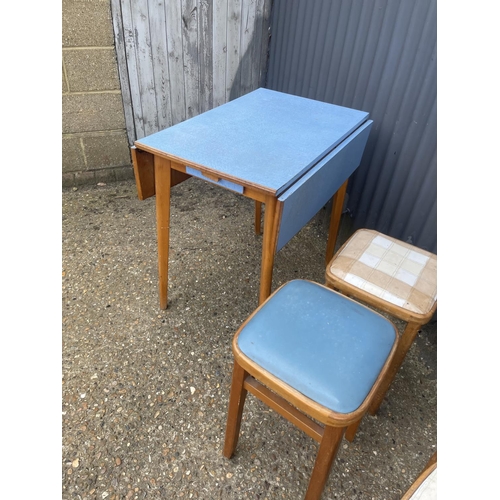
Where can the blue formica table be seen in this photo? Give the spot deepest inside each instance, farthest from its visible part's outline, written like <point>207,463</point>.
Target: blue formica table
<point>290,153</point>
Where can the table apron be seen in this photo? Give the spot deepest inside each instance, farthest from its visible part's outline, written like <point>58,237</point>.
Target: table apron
<point>220,182</point>
<point>253,193</point>
<point>143,162</point>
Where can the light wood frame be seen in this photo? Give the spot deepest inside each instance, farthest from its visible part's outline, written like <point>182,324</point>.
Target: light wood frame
<point>300,410</point>
<point>157,172</point>
<point>430,467</point>
<point>414,322</point>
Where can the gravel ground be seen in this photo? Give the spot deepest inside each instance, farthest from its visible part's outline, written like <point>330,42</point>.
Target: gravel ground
<point>145,391</point>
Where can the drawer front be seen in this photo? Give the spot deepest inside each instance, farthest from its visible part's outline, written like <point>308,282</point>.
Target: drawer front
<point>220,182</point>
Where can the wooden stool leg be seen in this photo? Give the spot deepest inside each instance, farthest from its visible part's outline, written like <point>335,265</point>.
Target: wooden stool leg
<point>405,342</point>
<point>351,431</point>
<point>258,216</point>
<point>236,404</point>
<point>332,437</point>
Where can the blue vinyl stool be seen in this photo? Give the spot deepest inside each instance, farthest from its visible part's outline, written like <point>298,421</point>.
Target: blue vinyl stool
<point>309,351</point>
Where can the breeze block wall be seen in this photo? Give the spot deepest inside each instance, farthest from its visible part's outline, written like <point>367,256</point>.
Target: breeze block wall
<point>94,139</point>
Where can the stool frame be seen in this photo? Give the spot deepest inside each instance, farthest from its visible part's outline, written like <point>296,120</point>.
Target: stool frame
<point>414,322</point>
<point>297,408</point>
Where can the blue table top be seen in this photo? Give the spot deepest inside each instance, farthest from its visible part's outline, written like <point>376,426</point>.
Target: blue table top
<point>265,139</point>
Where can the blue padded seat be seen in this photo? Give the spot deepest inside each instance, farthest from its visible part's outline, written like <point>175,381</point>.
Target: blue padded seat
<point>321,343</point>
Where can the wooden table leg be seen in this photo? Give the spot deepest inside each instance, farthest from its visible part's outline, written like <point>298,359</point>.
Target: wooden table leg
<point>268,247</point>
<point>258,216</point>
<point>162,185</point>
<point>338,203</point>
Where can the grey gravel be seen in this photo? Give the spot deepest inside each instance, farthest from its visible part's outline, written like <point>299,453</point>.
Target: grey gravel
<point>145,391</point>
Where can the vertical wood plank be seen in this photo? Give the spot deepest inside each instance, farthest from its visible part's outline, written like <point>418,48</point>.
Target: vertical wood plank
<point>219,52</point>
<point>191,59</point>
<point>264,42</point>
<point>121,57</point>
<point>233,47</point>
<point>247,45</point>
<point>159,51</point>
<point>175,60</point>
<point>179,58</point>
<point>145,66</point>
<point>205,47</point>
<point>133,70</point>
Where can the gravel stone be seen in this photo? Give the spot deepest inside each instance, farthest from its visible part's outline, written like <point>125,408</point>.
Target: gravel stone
<point>145,391</point>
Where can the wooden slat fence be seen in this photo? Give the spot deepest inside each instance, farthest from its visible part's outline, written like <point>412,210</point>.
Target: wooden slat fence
<point>179,58</point>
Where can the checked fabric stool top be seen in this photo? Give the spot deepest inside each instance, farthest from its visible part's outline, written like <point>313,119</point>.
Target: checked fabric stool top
<point>391,270</point>
<point>390,275</point>
<point>309,352</point>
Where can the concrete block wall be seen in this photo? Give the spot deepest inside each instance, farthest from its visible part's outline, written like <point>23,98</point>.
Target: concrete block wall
<point>94,139</point>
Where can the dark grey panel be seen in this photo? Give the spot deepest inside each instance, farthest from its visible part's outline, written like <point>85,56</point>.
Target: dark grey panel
<point>377,56</point>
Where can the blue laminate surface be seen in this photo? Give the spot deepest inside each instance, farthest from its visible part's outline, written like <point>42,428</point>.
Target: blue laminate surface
<point>265,138</point>
<point>313,190</point>
<point>329,348</point>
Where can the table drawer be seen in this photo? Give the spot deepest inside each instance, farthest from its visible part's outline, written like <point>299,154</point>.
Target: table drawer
<point>220,182</point>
